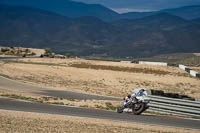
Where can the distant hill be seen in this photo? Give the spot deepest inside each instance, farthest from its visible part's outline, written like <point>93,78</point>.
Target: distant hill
<point>161,20</point>
<point>67,8</point>
<point>136,15</point>
<point>161,33</point>
<point>78,9</point>
<point>31,27</point>
<point>186,12</point>
<point>89,36</point>
<point>28,26</point>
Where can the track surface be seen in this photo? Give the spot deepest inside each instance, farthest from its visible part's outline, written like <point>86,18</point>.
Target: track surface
<point>11,104</point>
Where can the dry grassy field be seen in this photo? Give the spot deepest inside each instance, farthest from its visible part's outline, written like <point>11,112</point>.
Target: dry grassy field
<point>92,104</point>
<point>24,122</point>
<point>100,77</point>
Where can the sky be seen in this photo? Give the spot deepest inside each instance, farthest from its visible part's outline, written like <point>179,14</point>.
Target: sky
<point>122,6</point>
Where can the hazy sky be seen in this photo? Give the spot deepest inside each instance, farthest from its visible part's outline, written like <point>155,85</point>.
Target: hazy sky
<point>142,5</point>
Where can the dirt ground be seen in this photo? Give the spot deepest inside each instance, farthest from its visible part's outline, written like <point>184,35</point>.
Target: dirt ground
<point>23,122</point>
<point>100,77</point>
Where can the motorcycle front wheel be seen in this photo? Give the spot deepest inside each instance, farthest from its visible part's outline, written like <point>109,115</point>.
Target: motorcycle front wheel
<point>120,109</point>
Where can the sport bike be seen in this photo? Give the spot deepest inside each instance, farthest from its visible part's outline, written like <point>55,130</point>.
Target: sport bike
<point>138,106</point>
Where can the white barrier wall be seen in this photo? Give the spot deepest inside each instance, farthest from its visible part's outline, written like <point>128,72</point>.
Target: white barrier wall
<point>125,61</point>
<point>185,68</point>
<point>153,63</point>
<point>193,73</point>
<point>182,67</point>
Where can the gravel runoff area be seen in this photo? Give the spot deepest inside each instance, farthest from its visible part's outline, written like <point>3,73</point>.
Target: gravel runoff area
<point>25,122</point>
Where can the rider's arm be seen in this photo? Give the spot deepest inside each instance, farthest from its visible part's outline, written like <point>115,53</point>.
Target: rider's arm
<point>126,99</point>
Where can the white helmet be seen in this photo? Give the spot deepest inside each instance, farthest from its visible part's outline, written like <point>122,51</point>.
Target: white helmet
<point>133,95</point>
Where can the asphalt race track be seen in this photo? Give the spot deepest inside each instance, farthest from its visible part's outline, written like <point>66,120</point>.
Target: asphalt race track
<point>18,105</point>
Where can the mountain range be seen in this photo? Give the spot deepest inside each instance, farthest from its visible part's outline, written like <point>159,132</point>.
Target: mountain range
<point>77,9</point>
<point>159,33</point>
<point>67,8</point>
<point>186,12</point>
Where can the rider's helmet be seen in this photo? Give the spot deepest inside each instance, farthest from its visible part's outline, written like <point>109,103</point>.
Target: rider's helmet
<point>129,96</point>
<point>141,92</point>
<point>133,95</point>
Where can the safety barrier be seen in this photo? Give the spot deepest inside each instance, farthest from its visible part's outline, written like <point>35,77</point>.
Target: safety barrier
<point>173,106</point>
<point>153,63</point>
<point>190,71</point>
<point>126,61</point>
<point>193,73</point>
<point>183,67</point>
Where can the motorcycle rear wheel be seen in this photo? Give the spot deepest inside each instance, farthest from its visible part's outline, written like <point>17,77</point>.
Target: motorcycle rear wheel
<point>138,108</point>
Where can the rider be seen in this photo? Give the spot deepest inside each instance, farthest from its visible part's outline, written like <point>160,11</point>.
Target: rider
<point>140,92</point>
<point>126,99</point>
<point>133,98</point>
<point>129,99</point>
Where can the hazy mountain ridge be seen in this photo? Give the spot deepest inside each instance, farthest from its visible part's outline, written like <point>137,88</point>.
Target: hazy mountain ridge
<point>67,8</point>
<point>35,29</point>
<point>186,12</point>
<point>162,20</point>
<point>77,9</point>
<point>158,34</point>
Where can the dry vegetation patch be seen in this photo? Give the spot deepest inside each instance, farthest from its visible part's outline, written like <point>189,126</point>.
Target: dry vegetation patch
<point>123,69</point>
<point>19,51</point>
<point>23,122</point>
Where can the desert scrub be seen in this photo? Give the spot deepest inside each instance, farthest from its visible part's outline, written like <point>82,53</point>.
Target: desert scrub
<point>100,107</point>
<point>123,69</point>
<point>47,98</point>
<point>109,106</point>
<point>84,106</point>
<point>40,100</point>
<point>59,103</point>
<point>6,76</point>
<point>19,97</point>
<point>34,63</point>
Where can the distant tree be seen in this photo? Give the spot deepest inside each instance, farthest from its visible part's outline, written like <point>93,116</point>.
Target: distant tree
<point>68,55</point>
<point>48,50</point>
<point>41,55</point>
<point>4,50</point>
<point>24,55</point>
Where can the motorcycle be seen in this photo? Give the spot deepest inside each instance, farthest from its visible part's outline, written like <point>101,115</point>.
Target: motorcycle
<point>138,106</point>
